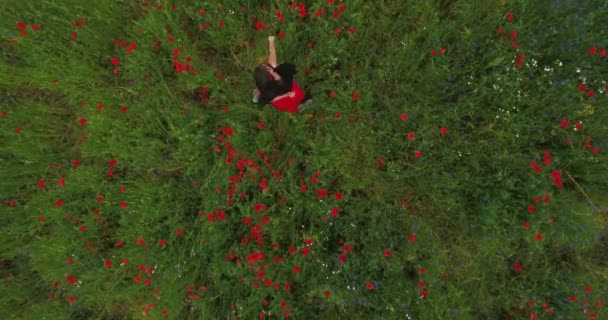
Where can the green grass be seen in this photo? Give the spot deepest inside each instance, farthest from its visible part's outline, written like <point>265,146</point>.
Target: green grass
<point>452,218</point>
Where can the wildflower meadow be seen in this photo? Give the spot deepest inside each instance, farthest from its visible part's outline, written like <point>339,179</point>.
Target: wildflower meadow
<point>453,163</point>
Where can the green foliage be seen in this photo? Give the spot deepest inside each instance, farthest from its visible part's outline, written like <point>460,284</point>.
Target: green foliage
<point>203,179</point>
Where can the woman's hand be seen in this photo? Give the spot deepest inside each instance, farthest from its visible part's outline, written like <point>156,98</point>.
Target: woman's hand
<point>270,38</point>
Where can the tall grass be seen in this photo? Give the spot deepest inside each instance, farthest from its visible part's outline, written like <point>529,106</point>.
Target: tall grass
<point>139,181</point>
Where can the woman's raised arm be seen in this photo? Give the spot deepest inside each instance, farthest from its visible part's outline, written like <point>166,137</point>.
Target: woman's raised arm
<point>272,57</point>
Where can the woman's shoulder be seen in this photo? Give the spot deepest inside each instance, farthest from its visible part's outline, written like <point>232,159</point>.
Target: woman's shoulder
<point>286,68</point>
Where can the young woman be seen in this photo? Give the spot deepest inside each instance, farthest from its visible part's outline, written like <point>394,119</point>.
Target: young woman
<point>275,85</point>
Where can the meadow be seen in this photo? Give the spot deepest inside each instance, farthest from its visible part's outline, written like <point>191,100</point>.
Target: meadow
<point>453,164</point>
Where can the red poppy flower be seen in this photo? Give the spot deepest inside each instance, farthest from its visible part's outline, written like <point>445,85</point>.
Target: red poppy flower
<point>582,87</point>
<point>417,154</point>
<point>332,94</point>
<point>73,35</point>
<point>411,136</point>
<point>380,163</point>
<point>221,23</point>
<point>517,267</point>
<point>513,34</point>
<point>342,257</point>
<point>510,16</point>
<point>321,193</point>
<point>334,212</point>
<point>387,252</point>
<point>434,53</point>
<point>259,25</point>
<point>603,53</point>
<point>403,117</point>
<point>356,96</point>
<point>21,25</point>
<point>592,51</point>
<point>107,263</point>
<point>71,299</point>
<point>70,278</point>
<point>338,196</point>
<point>547,157</point>
<point>578,125</point>
<point>526,224</point>
<point>305,252</point>
<point>412,238</point>
<point>348,248</point>
<point>531,209</point>
<point>296,269</point>
<point>281,35</point>
<point>443,131</point>
<point>514,44</point>
<point>36,27</point>
<point>327,294</point>
<point>535,166</point>
<point>370,285</point>
<point>539,236</point>
<point>500,30</point>
<point>564,124</point>
<point>590,93</point>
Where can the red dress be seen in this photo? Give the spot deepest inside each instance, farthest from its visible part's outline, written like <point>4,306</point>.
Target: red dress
<point>290,104</point>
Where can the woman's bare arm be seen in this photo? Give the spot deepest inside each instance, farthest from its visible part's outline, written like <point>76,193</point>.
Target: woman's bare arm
<point>288,94</point>
<point>272,57</point>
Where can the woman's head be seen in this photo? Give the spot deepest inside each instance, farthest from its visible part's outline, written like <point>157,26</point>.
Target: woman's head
<point>265,76</point>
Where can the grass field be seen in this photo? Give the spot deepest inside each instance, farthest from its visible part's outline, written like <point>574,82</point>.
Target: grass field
<point>453,164</point>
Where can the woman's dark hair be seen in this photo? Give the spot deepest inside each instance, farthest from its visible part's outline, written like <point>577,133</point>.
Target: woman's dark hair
<point>270,88</point>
